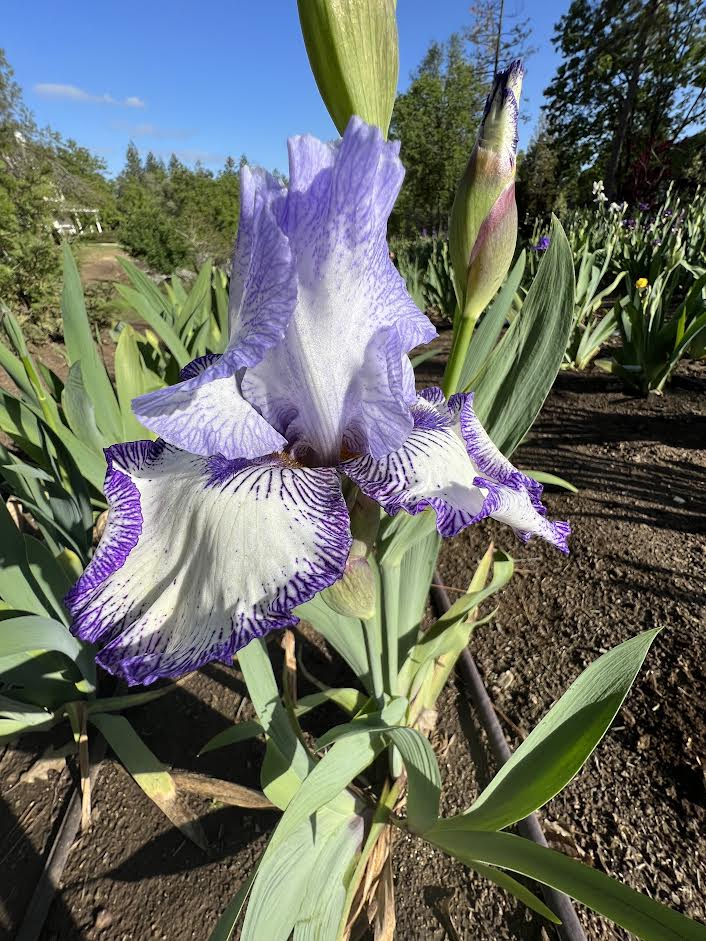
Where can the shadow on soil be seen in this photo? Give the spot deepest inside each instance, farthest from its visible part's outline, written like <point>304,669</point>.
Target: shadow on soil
<point>191,722</point>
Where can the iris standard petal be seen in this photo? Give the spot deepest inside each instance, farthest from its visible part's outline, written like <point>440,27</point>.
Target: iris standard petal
<point>206,413</point>
<point>201,555</point>
<point>448,463</point>
<point>338,378</point>
<point>263,287</point>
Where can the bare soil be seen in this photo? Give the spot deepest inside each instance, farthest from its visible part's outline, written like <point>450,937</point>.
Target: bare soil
<point>637,810</point>
<point>98,261</point>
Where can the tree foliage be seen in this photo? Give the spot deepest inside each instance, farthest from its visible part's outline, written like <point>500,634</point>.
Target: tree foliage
<point>29,262</point>
<point>632,81</point>
<point>436,121</point>
<point>172,216</point>
<point>540,190</point>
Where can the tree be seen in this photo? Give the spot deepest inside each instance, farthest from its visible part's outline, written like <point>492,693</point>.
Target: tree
<point>29,262</point>
<point>144,226</point>
<point>538,188</point>
<point>496,36</point>
<point>633,79</point>
<point>174,216</point>
<point>436,121</point>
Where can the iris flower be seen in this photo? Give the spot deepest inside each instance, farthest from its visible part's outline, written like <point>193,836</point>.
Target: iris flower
<point>542,245</point>
<point>218,530</point>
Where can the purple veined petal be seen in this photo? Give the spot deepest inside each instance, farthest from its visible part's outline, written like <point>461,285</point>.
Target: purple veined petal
<point>338,379</point>
<point>201,555</point>
<point>448,465</point>
<point>490,462</point>
<point>206,414</point>
<point>263,288</point>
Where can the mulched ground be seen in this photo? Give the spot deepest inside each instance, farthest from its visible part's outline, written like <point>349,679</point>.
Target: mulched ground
<point>637,810</point>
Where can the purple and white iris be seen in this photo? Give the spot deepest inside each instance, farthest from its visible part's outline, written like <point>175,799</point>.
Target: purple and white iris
<point>235,516</point>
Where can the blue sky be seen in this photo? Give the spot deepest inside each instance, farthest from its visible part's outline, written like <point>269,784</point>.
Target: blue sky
<point>206,79</point>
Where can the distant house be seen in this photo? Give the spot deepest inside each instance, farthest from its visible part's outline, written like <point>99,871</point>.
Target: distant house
<point>74,220</point>
<point>68,220</point>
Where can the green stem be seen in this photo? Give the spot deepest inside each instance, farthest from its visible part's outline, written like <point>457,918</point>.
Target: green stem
<point>370,630</point>
<point>391,598</point>
<point>459,349</point>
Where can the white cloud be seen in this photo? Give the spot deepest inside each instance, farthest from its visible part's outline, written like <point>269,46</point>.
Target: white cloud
<point>74,93</point>
<point>146,129</point>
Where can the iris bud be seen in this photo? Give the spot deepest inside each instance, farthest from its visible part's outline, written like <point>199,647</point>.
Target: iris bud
<point>365,520</point>
<point>483,229</point>
<point>353,52</point>
<point>353,595</point>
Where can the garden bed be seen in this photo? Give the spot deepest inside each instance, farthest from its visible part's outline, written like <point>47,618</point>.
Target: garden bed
<point>638,808</point>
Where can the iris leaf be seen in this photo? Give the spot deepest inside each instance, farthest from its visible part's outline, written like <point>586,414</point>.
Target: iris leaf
<point>637,913</point>
<point>559,746</point>
<point>516,379</point>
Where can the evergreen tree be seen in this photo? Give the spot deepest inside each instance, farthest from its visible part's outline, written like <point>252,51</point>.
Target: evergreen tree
<point>538,188</point>
<point>29,262</point>
<point>173,216</point>
<point>436,121</point>
<point>632,80</point>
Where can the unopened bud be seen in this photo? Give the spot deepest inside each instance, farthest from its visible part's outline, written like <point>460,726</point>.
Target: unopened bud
<point>353,52</point>
<point>365,520</point>
<point>483,229</point>
<point>354,594</point>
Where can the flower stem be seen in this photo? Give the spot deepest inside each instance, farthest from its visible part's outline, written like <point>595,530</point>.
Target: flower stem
<point>459,350</point>
<point>391,605</point>
<point>370,630</point>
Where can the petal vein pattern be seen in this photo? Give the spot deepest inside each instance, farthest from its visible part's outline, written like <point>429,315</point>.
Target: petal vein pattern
<point>201,555</point>
<point>448,463</point>
<point>341,377</point>
<point>206,413</point>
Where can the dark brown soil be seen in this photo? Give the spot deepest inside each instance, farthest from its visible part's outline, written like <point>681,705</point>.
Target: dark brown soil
<point>637,809</point>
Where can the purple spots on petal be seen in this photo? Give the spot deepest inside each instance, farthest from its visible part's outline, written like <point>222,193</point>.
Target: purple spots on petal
<point>122,530</point>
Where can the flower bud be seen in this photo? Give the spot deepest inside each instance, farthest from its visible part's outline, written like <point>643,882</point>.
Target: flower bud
<point>354,594</point>
<point>353,52</point>
<point>483,228</point>
<point>365,520</point>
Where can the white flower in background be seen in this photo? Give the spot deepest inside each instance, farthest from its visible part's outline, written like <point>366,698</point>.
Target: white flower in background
<point>600,196</point>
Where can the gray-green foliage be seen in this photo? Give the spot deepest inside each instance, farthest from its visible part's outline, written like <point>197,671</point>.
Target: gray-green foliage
<point>662,249</point>
<point>48,419</point>
<point>307,879</point>
<point>592,326</point>
<point>654,336</point>
<point>513,381</point>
